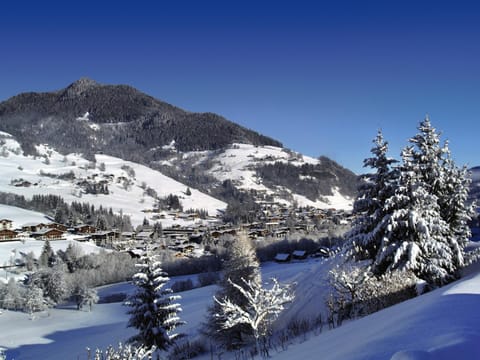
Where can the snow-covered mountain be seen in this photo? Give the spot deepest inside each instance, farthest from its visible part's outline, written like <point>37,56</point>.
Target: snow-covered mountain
<point>200,150</point>
<point>121,185</point>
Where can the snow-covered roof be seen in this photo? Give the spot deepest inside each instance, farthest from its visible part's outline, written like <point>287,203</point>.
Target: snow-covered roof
<point>282,257</point>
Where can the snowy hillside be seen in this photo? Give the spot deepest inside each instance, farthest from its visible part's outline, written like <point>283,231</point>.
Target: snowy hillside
<point>240,162</point>
<point>20,217</point>
<point>131,186</point>
<point>441,325</point>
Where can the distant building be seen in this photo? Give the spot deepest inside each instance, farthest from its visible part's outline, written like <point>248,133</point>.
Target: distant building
<point>47,233</point>
<point>33,227</point>
<point>7,234</point>
<point>85,229</point>
<point>282,257</point>
<point>5,224</point>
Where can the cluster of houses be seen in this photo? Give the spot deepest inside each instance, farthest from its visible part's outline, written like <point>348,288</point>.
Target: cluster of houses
<point>276,221</point>
<point>39,231</point>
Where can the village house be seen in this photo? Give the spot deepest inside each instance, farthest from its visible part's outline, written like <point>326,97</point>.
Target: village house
<point>85,229</point>
<point>47,233</point>
<point>5,224</point>
<point>6,235</point>
<point>105,238</point>
<point>33,227</point>
<point>145,236</point>
<point>57,226</point>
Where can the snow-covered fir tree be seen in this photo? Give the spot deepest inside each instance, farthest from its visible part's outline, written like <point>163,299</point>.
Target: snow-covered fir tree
<point>449,183</point>
<point>366,235</point>
<point>241,263</point>
<point>154,310</point>
<point>47,257</point>
<point>416,235</point>
<point>417,219</point>
<point>260,310</point>
<point>454,206</point>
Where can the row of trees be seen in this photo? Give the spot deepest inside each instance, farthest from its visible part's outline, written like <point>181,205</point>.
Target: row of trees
<point>69,214</point>
<point>413,215</point>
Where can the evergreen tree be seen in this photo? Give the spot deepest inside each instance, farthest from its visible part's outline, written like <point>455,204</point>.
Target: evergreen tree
<point>415,232</point>
<point>47,257</point>
<point>448,183</point>
<point>154,311</point>
<point>454,206</point>
<point>415,216</point>
<point>366,235</point>
<point>241,265</point>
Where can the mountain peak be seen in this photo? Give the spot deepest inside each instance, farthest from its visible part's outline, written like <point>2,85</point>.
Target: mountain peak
<point>80,86</point>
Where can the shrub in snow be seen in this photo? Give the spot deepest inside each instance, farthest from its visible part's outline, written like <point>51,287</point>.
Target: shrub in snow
<point>208,278</point>
<point>182,285</point>
<point>123,352</point>
<point>12,295</point>
<point>262,308</point>
<point>356,291</point>
<point>34,300</point>
<point>84,296</point>
<point>52,281</point>
<point>154,311</point>
<point>187,350</point>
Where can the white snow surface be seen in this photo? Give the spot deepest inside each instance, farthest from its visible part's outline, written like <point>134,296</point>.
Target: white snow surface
<point>131,199</point>
<point>443,324</point>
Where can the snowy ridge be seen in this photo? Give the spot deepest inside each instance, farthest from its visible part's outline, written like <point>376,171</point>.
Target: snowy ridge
<point>238,163</point>
<point>126,181</point>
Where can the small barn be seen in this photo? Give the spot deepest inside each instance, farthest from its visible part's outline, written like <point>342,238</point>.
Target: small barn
<point>282,257</point>
<point>299,255</point>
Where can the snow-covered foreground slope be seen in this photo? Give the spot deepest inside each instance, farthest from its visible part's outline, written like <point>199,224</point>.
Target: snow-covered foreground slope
<point>443,324</point>
<point>126,181</point>
<point>63,334</point>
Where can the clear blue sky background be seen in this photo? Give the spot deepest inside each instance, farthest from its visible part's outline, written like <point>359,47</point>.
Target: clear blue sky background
<point>319,76</point>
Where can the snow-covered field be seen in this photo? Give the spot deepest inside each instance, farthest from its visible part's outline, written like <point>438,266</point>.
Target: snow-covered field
<point>443,324</point>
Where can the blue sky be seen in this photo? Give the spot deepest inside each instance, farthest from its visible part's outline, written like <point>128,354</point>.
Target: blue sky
<point>321,77</point>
